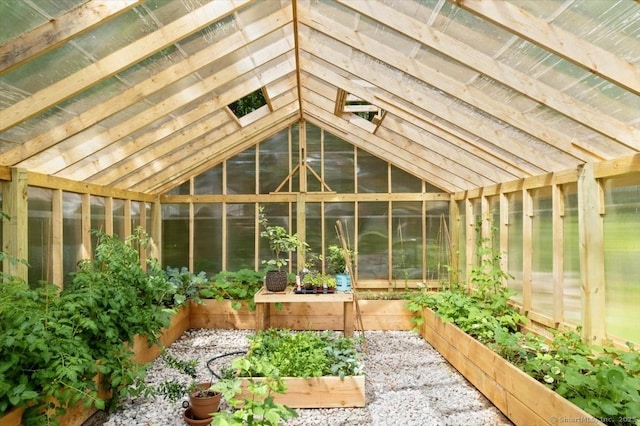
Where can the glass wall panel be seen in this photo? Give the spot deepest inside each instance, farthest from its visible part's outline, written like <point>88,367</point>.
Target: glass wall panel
<point>438,240</point>
<point>402,181</point>
<point>314,158</point>
<point>462,241</point>
<point>98,220</point>
<point>338,164</point>
<point>71,234</point>
<point>175,235</point>
<point>209,182</point>
<point>406,257</point>
<point>622,257</point>
<point>571,277</point>
<point>313,231</point>
<point>135,215</point>
<point>182,189</point>
<point>207,245</point>
<point>373,240</point>
<point>241,234</point>
<point>494,214</point>
<point>274,162</point>
<point>514,263</point>
<point>241,173</point>
<point>372,173</point>
<point>118,218</point>
<point>542,252</point>
<point>277,215</point>
<point>40,235</point>
<point>345,213</point>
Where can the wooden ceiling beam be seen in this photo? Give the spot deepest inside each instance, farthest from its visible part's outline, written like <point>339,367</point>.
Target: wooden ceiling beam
<point>233,42</point>
<point>405,156</point>
<point>416,95</point>
<point>464,54</point>
<point>177,165</point>
<point>118,61</point>
<point>435,147</point>
<point>453,87</point>
<point>60,30</point>
<point>73,150</point>
<point>557,40</point>
<point>153,84</point>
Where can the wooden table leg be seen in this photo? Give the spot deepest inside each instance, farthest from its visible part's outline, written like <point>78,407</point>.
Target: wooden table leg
<point>262,316</point>
<point>348,319</point>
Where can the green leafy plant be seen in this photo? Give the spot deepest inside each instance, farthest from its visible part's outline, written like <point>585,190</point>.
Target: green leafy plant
<point>54,344</point>
<point>336,260</point>
<point>304,353</point>
<point>604,381</point>
<point>318,280</point>
<point>237,286</point>
<point>280,242</point>
<point>256,406</point>
<point>185,286</point>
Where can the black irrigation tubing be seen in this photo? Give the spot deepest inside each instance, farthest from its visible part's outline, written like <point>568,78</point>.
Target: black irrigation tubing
<point>222,356</point>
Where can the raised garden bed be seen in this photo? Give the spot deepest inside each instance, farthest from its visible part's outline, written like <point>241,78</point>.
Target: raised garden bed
<point>322,392</point>
<point>520,397</point>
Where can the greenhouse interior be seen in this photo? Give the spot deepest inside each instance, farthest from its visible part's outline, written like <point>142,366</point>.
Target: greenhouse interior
<point>453,151</point>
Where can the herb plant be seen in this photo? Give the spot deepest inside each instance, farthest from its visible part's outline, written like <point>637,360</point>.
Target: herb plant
<point>237,286</point>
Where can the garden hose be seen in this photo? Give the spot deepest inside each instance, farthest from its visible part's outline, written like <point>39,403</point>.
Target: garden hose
<point>221,356</point>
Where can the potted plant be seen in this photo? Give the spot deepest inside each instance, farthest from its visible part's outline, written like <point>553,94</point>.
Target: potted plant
<point>281,243</point>
<point>337,263</point>
<point>203,400</point>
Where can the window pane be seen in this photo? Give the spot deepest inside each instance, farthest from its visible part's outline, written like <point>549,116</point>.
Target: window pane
<point>373,240</point>
<point>621,256</point>
<point>407,242</point>
<point>542,252</point>
<point>209,182</point>
<point>338,164</point>
<point>402,181</point>
<point>175,235</point>
<point>40,238</point>
<point>241,236</point>
<point>71,233</point>
<point>207,246</point>
<point>372,173</point>
<point>438,240</point>
<point>515,244</point>
<point>118,218</point>
<point>274,162</point>
<point>571,276</point>
<point>241,173</point>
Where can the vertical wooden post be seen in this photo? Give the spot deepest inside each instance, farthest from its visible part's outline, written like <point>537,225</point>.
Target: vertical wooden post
<point>527,249</point>
<point>108,215</point>
<point>127,218</point>
<point>57,245</point>
<point>557,197</point>
<point>14,230</point>
<point>591,238</point>
<point>156,230</point>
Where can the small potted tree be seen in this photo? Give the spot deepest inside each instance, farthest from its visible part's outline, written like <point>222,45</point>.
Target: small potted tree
<point>337,263</point>
<point>281,243</point>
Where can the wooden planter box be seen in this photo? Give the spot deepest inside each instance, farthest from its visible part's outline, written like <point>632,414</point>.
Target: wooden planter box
<point>321,392</point>
<point>180,323</point>
<point>519,396</point>
<point>376,315</point>
<point>13,417</point>
<point>220,314</point>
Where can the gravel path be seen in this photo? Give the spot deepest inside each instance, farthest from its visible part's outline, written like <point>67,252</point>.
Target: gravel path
<point>407,383</point>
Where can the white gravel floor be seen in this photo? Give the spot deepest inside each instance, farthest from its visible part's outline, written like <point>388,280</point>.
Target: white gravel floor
<point>407,383</point>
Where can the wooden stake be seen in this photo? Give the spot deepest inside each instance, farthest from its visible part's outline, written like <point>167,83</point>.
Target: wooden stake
<point>347,257</point>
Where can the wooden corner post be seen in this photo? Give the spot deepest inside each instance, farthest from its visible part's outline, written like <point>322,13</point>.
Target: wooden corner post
<point>591,246</point>
<point>15,238</point>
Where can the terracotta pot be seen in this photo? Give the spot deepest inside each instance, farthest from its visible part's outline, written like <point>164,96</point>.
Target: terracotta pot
<point>190,420</point>
<point>203,406</point>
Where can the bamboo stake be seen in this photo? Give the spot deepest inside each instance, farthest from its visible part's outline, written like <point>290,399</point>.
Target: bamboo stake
<point>347,257</point>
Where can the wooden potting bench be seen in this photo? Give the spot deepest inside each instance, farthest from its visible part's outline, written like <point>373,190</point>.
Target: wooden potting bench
<point>264,299</point>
